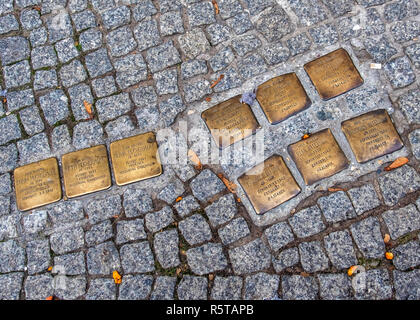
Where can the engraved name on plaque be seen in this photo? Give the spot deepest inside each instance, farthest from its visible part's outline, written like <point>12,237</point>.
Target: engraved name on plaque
<point>318,156</point>
<point>269,184</point>
<point>371,135</point>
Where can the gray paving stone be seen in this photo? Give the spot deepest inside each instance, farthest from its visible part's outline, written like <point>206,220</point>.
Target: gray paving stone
<point>60,138</point>
<point>101,289</point>
<point>376,285</point>
<point>5,185</point>
<point>413,52</point>
<point>130,70</point>
<point>98,63</point>
<point>245,44</point>
<point>59,26</point>
<point>313,257</point>
<point>186,206</point>
<point>364,198</point>
<point>229,8</point>
<point>218,33</point>
<point>336,207</point>
<point>17,75</point>
<point>147,118</point>
<point>402,221</point>
<point>87,134</point>
<point>399,72</point>
<point>231,80</point>
<point>339,8</point>
<point>4,205</point>
<point>171,23</point>
<point>6,6</point>
<point>119,128</point>
<point>407,255</point>
<point>121,41</point>
<point>396,184</point>
<point>235,230</point>
<point>144,96</point>
<point>170,108</point>
<point>407,285</point>
<point>66,50</point>
<point>409,103</point>
<point>261,286</point>
<point>11,285</point>
<point>67,240</point>
<point>9,128</point>
<point>35,222</point>
<point>197,90</point>
<point>90,39</point>
<point>251,257</point>
<point>308,12</point>
<point>251,66</point>
<point>166,82</point>
<point>368,3</point>
<point>206,185</point>
<point>115,17</point>
<point>335,286</point>
<point>143,9</point>
<point>72,73</point>
<point>279,235</point>
<point>414,138</point>
<point>67,288</point>
<point>137,203</point>
<point>166,248</point>
<point>70,264</point>
<point>66,212</point>
<point>31,120</point>
<point>12,256</point>
<point>307,222</point>
<point>78,95</point>
<point>374,24</point>
<point>169,5</point>
<point>54,106</point>
<point>20,99</point>
<point>286,259</point>
<point>13,49</point>
<point>135,287</point>
<point>193,68</point>
<point>339,247</point>
<point>195,229</point>
<point>111,107</point>
<point>240,23</point>
<point>222,210</point>
<point>275,53</point>
<point>400,10</point>
<point>299,44</point>
<point>201,14</point>
<point>34,148</point>
<point>299,288</point>
<point>368,237</point>
<point>192,288</point>
<point>130,230</point>
<point>137,258</point>
<point>158,220</point>
<point>84,20</point>
<point>147,34</point>
<point>102,209</point>
<point>38,255</point>
<point>193,43</point>
<point>163,288</point>
<point>39,287</point>
<point>42,57</point>
<point>207,258</point>
<point>104,86</point>
<point>222,59</point>
<point>45,79</point>
<point>98,233</point>
<point>103,259</point>
<point>380,49</point>
<point>227,288</point>
<point>349,27</point>
<point>9,226</point>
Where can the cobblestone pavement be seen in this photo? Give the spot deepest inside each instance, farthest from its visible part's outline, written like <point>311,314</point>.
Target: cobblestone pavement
<point>149,65</point>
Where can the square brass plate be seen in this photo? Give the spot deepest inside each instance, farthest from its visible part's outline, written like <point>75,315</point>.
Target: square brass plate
<point>269,184</point>
<point>86,171</point>
<point>135,158</point>
<point>372,135</point>
<point>282,97</point>
<point>230,121</point>
<point>37,184</point>
<point>318,156</point>
<point>333,74</point>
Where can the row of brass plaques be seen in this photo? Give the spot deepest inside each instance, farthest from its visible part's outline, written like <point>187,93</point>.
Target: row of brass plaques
<point>86,171</point>
<point>270,183</point>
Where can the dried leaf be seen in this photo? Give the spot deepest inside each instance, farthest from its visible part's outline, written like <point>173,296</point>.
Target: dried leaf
<point>208,99</point>
<point>306,136</point>
<point>216,6</point>
<point>304,274</point>
<point>88,108</point>
<point>217,81</point>
<point>178,271</point>
<point>387,238</point>
<point>50,298</point>
<point>397,163</point>
<point>336,189</point>
<point>195,159</point>
<point>37,8</point>
<point>117,277</point>
<point>230,185</point>
<point>178,199</point>
<point>50,268</point>
<point>351,270</point>
<point>389,255</point>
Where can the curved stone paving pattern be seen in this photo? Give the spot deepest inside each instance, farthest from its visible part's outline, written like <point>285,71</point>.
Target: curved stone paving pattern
<point>149,65</point>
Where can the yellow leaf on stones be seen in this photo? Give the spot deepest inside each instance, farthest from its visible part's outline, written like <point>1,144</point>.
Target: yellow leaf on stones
<point>387,238</point>
<point>389,256</point>
<point>117,277</point>
<point>397,163</point>
<point>88,108</point>
<point>195,159</point>
<point>230,185</point>
<point>351,270</point>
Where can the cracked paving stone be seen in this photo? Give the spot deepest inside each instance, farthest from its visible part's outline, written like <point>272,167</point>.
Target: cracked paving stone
<point>54,106</point>
<point>240,23</point>
<point>336,207</point>
<point>227,288</point>
<point>90,39</point>
<point>102,209</point>
<point>84,20</point>
<point>222,59</point>
<point>402,221</point>
<point>193,68</point>
<point>130,230</point>
<point>251,257</point>
<point>192,288</point>
<point>158,220</point>
<point>312,256</point>
<point>414,138</point>
<point>130,70</point>
<point>229,8</point>
<point>102,289</point>
<point>9,129</point>
<point>104,86</point>
<point>45,79</point>
<point>12,256</point>
<point>368,237</point>
<point>261,286</point>
<point>218,33</point>
<point>335,286</point>
<point>42,57</point>
<point>340,249</point>
<point>222,210</point>
<point>286,259</point>
<point>72,73</point>
<point>166,248</point>
<point>87,134</point>
<point>20,99</point>
<point>121,41</point>
<point>67,240</point>
<point>98,63</point>
<point>135,287</point>
<point>17,75</point>
<point>407,256</point>
<point>38,255</point>
<point>137,258</point>
<point>406,285</point>
<point>39,287</point>
<point>235,230</point>
<point>299,44</point>
<point>275,53</point>
<point>307,222</point>
<point>119,128</point>
<point>147,34</point>
<point>78,95</point>
<point>398,183</point>
<point>115,17</point>
<point>10,286</point>
<point>137,203</point>
<point>31,120</point>
<point>195,229</point>
<point>72,264</point>
<point>197,90</point>
<point>186,206</point>
<point>66,50</point>
<point>413,52</point>
<point>193,43</point>
<point>103,259</point>
<point>279,235</point>
<point>171,23</point>
<point>409,103</point>
<point>380,49</point>
<point>98,233</point>
<point>374,285</point>
<point>166,82</point>
<point>34,148</point>
<point>206,259</point>
<point>163,288</point>
<point>170,108</point>
<point>200,14</point>
<point>399,72</point>
<point>245,44</point>
<point>364,198</point>
<point>112,107</point>
<point>299,288</point>
<point>206,185</point>
<point>66,212</point>
<point>13,49</point>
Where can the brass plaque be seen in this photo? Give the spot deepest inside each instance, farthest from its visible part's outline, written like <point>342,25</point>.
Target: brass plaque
<point>86,171</point>
<point>333,74</point>
<point>318,156</point>
<point>269,184</point>
<point>135,158</point>
<point>372,135</point>
<point>37,184</point>
<point>230,121</point>
<point>282,97</point>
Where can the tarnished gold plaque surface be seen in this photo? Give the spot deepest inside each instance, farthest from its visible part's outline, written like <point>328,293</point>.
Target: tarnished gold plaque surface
<point>372,135</point>
<point>333,74</point>
<point>86,171</point>
<point>230,121</point>
<point>269,184</point>
<point>282,97</point>
<point>318,156</point>
<point>135,158</point>
<point>37,184</point>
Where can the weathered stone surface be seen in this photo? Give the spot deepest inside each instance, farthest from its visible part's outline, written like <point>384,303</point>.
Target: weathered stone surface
<point>307,222</point>
<point>186,206</point>
<point>130,230</point>
<point>103,259</point>
<point>70,264</point>
<point>406,285</point>
<point>67,241</point>
<point>192,288</point>
<point>166,248</point>
<point>286,259</point>
<point>374,285</point>
<point>335,287</point>
<point>38,255</point>
<point>137,258</point>
<point>336,207</point>
<point>101,289</point>
<point>299,288</point>
<point>135,287</point>
<point>195,229</point>
<point>11,286</point>
<point>227,288</point>
<point>279,235</point>
<point>164,288</point>
<point>364,198</point>
<point>407,255</point>
<point>206,185</point>
<point>402,221</point>
<point>251,257</point>
<point>313,257</point>
<point>340,249</point>
<point>261,286</point>
<point>368,237</point>
<point>206,259</point>
<point>158,220</point>
<point>39,287</point>
<point>235,230</point>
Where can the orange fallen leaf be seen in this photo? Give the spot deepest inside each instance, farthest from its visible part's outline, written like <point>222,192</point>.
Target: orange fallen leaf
<point>230,185</point>
<point>304,274</point>
<point>117,277</point>
<point>208,99</point>
<point>238,200</point>
<point>50,298</point>
<point>389,255</point>
<point>37,8</point>
<point>195,159</point>
<point>178,199</point>
<point>397,163</point>
<point>335,189</point>
<point>50,268</point>
<point>216,6</point>
<point>351,270</point>
<point>387,238</point>
<point>306,136</point>
<point>88,108</point>
<point>217,81</point>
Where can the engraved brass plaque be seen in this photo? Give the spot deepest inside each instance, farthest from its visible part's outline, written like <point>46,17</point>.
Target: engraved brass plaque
<point>282,97</point>
<point>37,184</point>
<point>269,184</point>
<point>86,171</point>
<point>372,135</point>
<point>333,74</point>
<point>230,121</point>
<point>318,156</point>
<point>135,158</point>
